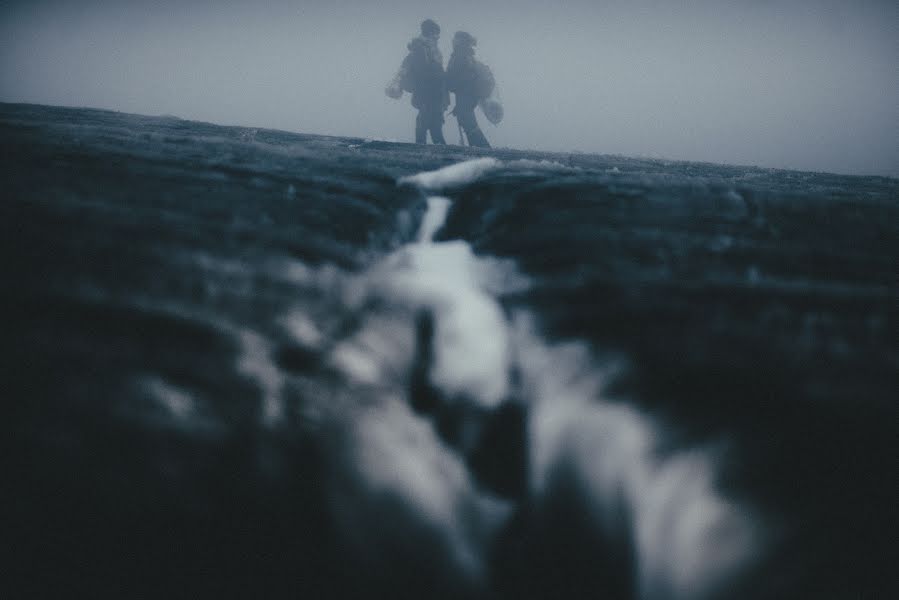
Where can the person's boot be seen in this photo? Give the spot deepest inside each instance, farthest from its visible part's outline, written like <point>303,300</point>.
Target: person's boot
<point>437,136</point>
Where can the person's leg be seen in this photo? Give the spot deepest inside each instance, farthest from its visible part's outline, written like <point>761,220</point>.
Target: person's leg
<point>437,134</point>
<point>469,123</point>
<point>435,124</point>
<point>477,138</point>
<point>421,128</point>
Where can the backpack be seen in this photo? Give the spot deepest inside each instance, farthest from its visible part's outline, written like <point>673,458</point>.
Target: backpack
<point>484,83</point>
<point>420,69</point>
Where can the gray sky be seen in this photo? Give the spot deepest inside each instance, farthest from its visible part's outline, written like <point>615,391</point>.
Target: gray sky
<point>807,84</point>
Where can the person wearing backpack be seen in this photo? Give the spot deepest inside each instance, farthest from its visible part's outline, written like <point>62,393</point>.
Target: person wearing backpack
<point>422,74</point>
<point>471,82</point>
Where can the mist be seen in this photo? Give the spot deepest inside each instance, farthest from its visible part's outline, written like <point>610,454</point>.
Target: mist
<point>809,84</point>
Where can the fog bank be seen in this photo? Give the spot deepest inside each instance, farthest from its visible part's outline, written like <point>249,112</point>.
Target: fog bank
<point>809,84</point>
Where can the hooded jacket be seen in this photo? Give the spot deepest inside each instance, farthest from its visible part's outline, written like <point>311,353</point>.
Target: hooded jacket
<point>461,77</point>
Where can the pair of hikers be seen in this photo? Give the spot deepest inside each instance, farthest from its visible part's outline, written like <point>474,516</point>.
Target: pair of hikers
<point>470,81</point>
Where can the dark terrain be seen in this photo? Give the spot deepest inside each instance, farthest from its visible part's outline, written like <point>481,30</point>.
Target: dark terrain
<point>173,429</point>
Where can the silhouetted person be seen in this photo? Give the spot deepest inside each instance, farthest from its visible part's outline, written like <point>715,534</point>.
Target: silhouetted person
<point>471,82</point>
<point>422,74</point>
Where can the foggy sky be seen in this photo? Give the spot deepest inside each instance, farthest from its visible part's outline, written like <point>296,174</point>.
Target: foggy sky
<point>807,84</point>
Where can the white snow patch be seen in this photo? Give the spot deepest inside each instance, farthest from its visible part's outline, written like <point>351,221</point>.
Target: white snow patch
<point>379,353</point>
<point>434,218</point>
<point>733,196</point>
<point>303,329</point>
<point>543,164</point>
<point>688,539</point>
<point>255,361</point>
<point>471,346</point>
<point>355,362</point>
<point>391,465</point>
<point>177,403</point>
<point>452,175</point>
